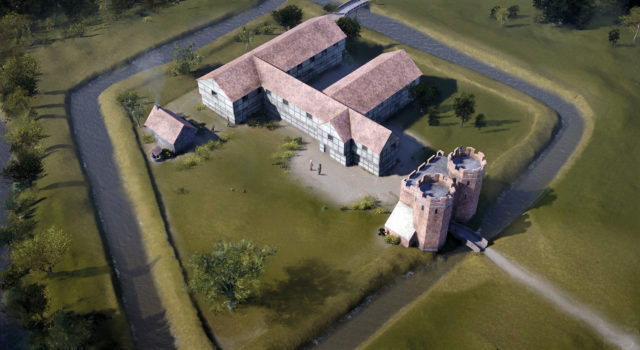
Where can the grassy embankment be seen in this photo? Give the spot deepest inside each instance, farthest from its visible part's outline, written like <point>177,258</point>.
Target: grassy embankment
<point>327,260</point>
<point>582,235</point>
<point>83,281</point>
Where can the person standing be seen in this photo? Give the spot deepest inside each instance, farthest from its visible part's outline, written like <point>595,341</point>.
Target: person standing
<point>319,168</point>
<point>311,164</point>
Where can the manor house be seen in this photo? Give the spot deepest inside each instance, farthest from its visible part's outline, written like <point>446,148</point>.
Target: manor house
<point>440,190</point>
<point>344,118</point>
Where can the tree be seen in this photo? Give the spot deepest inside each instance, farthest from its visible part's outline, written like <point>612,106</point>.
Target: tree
<point>424,94</point>
<point>576,12</point>
<point>25,167</point>
<point>133,107</point>
<point>350,26</point>
<point>229,274</point>
<point>494,9</point>
<point>501,15</point>
<point>464,106</point>
<point>27,304</point>
<point>289,16</point>
<point>513,11</point>
<point>481,121</point>
<point>21,71</point>
<point>632,20</point>
<point>246,37</point>
<point>25,133</point>
<point>69,330</point>
<point>614,36</point>
<point>185,59</point>
<point>16,102</point>
<point>16,229</point>
<point>42,252</point>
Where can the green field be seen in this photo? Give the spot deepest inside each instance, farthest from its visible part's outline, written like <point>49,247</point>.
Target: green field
<point>454,315</point>
<point>83,281</point>
<point>340,248</point>
<point>582,234</point>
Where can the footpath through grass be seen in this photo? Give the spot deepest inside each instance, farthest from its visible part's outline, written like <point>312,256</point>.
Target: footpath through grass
<point>582,235</point>
<point>327,259</point>
<point>84,282</point>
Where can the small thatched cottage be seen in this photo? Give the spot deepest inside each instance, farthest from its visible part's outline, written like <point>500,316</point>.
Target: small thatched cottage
<point>170,130</point>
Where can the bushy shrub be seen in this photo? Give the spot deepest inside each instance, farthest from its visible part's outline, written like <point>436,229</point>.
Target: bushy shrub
<point>330,7</point>
<point>225,137</point>
<point>365,204</point>
<point>166,154</point>
<point>202,152</point>
<point>200,107</point>
<point>213,144</point>
<point>260,120</point>
<point>380,211</point>
<point>74,30</point>
<point>282,158</point>
<point>265,28</point>
<point>190,161</point>
<point>391,239</point>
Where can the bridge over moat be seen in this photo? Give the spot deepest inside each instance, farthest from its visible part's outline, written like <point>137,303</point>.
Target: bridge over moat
<point>469,237</point>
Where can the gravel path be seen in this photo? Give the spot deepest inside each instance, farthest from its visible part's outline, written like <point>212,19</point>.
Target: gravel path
<point>141,302</point>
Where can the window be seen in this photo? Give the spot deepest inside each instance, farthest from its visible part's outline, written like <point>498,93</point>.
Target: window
<point>422,208</point>
<point>214,93</point>
<point>323,52</point>
<point>313,59</point>
<point>245,98</point>
<point>436,212</point>
<point>300,66</point>
<point>285,102</point>
<point>330,137</point>
<point>309,116</point>
<point>394,145</point>
<point>364,148</point>
<point>268,92</point>
<point>467,183</point>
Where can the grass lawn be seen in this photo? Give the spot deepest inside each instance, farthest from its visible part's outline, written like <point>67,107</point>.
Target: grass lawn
<point>454,315</point>
<point>84,281</point>
<point>327,260</point>
<point>582,236</point>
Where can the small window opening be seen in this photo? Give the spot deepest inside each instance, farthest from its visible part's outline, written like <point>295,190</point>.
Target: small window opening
<point>313,59</point>
<point>330,137</point>
<point>364,148</point>
<point>309,116</point>
<point>422,208</point>
<point>214,93</point>
<point>468,182</point>
<point>245,98</point>
<point>436,211</point>
<point>268,92</point>
<point>285,102</point>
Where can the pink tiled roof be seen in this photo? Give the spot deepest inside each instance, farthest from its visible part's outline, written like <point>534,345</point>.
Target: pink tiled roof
<point>301,43</point>
<point>166,124</point>
<point>236,78</point>
<point>342,125</point>
<point>367,132</point>
<point>375,81</point>
<point>239,77</point>
<point>303,96</point>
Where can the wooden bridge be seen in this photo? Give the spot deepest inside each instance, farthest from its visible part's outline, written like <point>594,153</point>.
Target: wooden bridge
<point>469,237</point>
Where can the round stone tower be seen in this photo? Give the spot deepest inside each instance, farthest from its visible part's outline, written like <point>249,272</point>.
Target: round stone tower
<point>432,210</point>
<point>466,167</point>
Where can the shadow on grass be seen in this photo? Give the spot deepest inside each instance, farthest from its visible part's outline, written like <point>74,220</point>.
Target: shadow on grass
<point>205,69</point>
<point>546,198</point>
<point>307,286</point>
<point>518,226</point>
<point>63,184</point>
<point>51,116</point>
<point>86,272</point>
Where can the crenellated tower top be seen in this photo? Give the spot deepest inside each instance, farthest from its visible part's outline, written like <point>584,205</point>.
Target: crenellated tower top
<point>466,164</point>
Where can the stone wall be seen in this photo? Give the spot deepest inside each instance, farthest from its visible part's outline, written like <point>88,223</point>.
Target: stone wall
<point>468,183</point>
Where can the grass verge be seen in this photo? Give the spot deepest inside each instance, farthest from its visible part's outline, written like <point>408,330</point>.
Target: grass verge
<point>84,281</point>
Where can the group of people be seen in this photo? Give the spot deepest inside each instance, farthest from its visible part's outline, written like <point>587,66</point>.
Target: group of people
<point>311,166</point>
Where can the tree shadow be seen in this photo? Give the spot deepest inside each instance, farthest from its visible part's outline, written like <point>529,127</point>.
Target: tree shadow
<point>495,130</point>
<point>63,184</point>
<point>517,25</point>
<point>519,226</point>
<point>80,273</point>
<point>546,198</point>
<point>51,149</point>
<point>51,116</point>
<point>50,105</point>
<point>304,291</point>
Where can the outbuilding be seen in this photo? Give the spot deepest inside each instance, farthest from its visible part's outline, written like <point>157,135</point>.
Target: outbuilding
<point>171,131</point>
